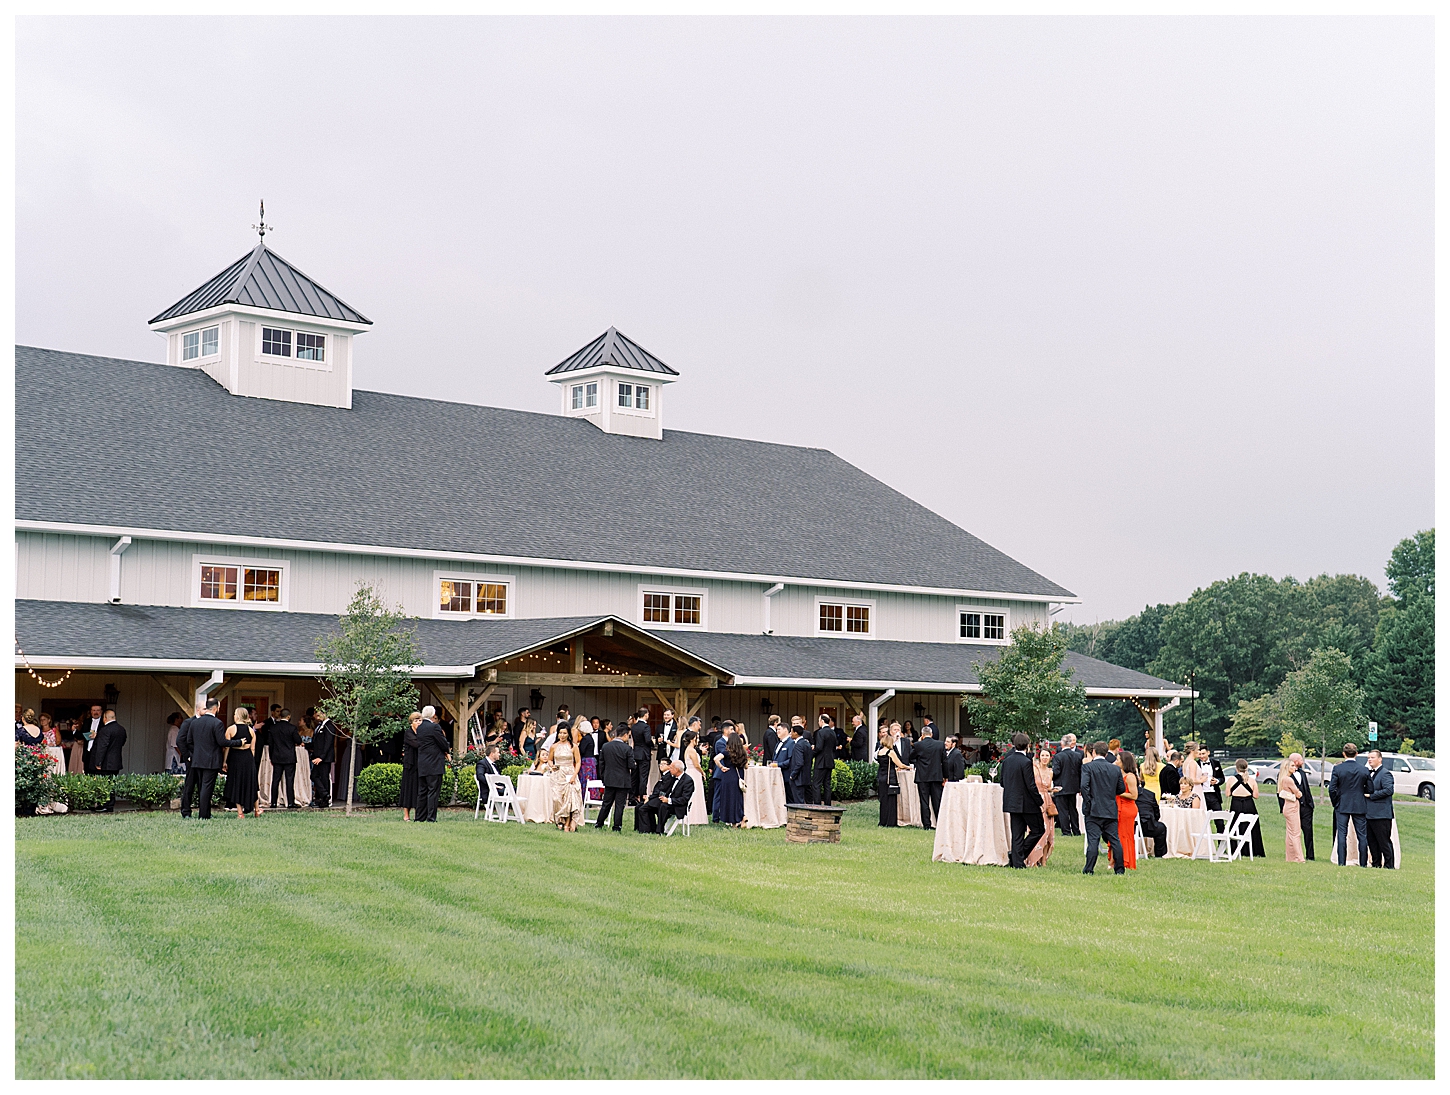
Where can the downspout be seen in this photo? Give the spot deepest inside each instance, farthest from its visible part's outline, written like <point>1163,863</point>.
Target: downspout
<point>871,731</point>
<point>117,550</point>
<point>209,687</point>
<point>769,593</point>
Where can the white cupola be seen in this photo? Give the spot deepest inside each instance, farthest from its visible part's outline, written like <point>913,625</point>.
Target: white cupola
<point>264,328</point>
<point>616,384</point>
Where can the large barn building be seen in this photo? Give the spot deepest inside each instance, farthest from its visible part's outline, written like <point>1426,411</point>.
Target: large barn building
<point>237,495</point>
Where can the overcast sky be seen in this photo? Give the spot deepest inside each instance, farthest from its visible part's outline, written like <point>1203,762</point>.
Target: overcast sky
<point>1142,302</point>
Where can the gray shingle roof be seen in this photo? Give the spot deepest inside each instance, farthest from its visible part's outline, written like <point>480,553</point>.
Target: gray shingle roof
<point>264,279</point>
<point>612,348</point>
<point>63,629</point>
<point>183,454</point>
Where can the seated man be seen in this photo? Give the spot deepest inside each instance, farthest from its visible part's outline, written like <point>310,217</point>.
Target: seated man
<point>670,798</point>
<point>484,768</point>
<point>1148,817</point>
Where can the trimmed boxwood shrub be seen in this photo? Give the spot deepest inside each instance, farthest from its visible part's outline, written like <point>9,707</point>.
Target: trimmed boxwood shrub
<point>864,773</point>
<point>843,781</point>
<point>380,784</point>
<point>80,791</point>
<point>147,791</point>
<point>219,792</point>
<point>514,771</point>
<point>466,788</point>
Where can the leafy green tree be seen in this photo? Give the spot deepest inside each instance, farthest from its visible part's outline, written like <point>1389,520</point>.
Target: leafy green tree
<point>1258,723</point>
<point>1289,745</point>
<point>1411,569</point>
<point>1324,700</point>
<point>367,671</point>
<point>1401,679</point>
<point>1028,690</point>
<point>1343,612</point>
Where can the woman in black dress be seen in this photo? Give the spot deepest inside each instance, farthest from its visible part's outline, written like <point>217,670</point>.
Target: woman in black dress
<point>408,789</point>
<point>888,787</point>
<point>1243,790</point>
<point>241,766</point>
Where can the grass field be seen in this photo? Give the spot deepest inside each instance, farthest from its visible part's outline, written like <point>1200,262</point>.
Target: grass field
<point>305,946</point>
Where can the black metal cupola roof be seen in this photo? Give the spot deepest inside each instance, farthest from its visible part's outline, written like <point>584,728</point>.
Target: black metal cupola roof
<point>612,348</point>
<point>264,279</point>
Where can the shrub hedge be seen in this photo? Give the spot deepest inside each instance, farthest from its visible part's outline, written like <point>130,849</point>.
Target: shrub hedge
<point>80,791</point>
<point>380,784</point>
<point>147,791</point>
<point>864,773</point>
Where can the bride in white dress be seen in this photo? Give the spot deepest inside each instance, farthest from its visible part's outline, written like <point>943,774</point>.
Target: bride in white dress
<point>698,813</point>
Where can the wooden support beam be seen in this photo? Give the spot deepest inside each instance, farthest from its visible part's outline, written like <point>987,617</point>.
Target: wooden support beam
<point>483,696</point>
<point>680,706</point>
<point>604,680</point>
<point>576,655</point>
<point>444,701</point>
<point>664,700</point>
<point>699,703</point>
<point>856,701</point>
<point>1147,709</point>
<point>187,703</point>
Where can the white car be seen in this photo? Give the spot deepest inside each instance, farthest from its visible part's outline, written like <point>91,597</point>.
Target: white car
<point>1413,775</point>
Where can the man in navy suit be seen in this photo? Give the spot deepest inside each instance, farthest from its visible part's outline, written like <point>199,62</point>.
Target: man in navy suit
<point>1102,783</point>
<point>798,767</point>
<point>1021,801</point>
<point>1379,812</point>
<point>1346,792</point>
<point>824,751</point>
<point>928,758</point>
<point>206,744</point>
<point>616,772</point>
<point>778,750</point>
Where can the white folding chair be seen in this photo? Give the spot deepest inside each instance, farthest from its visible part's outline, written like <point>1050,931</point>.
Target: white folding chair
<point>589,800</point>
<point>683,820</point>
<point>1218,843</point>
<point>1140,846</point>
<point>503,804</point>
<point>1240,835</point>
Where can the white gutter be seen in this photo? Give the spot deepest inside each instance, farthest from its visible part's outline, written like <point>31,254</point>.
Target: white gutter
<point>179,665</point>
<point>871,717</point>
<point>117,550</point>
<point>824,683</point>
<point>769,593</point>
<point>180,537</point>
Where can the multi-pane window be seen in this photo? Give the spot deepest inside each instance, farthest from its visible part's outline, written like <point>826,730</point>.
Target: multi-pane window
<point>276,342</point>
<point>465,597</point>
<point>255,584</point>
<point>843,618</point>
<point>626,395</point>
<point>310,347</point>
<point>203,343</point>
<point>982,625</point>
<point>583,396</point>
<point>676,609</point>
<point>641,397</point>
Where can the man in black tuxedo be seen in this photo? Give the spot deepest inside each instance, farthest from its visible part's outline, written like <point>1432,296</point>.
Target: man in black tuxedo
<point>184,750</point>
<point>488,766</point>
<point>798,765</point>
<point>643,742</point>
<point>1379,811</point>
<point>516,731</point>
<point>1347,785</point>
<point>616,772</point>
<point>321,752</point>
<point>928,757</point>
<point>1152,821</point>
<point>1067,774</point>
<point>109,741</point>
<point>670,798</point>
<point>282,742</point>
<point>433,757</point>
<point>954,767</point>
<point>1170,776</point>
<point>928,728</point>
<point>668,739</point>
<point>1021,800</point>
<point>1102,783</point>
<point>777,752</point>
<point>860,746</point>
<point>903,745</point>
<point>206,738</point>
<point>1306,803</point>
<point>1213,790</point>
<point>823,750</point>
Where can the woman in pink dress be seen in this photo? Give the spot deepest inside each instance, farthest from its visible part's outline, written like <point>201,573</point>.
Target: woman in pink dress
<point>1042,776</point>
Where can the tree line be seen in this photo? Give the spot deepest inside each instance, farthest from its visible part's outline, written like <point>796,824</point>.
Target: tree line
<point>1252,643</point>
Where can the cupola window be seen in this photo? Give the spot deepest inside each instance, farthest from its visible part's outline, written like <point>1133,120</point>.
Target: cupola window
<point>309,347</point>
<point>582,397</point>
<point>203,343</point>
<point>276,342</point>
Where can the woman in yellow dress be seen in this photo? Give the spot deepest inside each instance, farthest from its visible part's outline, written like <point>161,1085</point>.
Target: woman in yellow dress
<point>1149,770</point>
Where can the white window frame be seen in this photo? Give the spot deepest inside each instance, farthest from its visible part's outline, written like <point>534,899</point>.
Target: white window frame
<point>984,610</point>
<point>633,407</point>
<point>674,591</point>
<point>844,602</point>
<point>582,388</point>
<point>329,347</point>
<point>283,591</point>
<point>200,333</point>
<point>506,580</point>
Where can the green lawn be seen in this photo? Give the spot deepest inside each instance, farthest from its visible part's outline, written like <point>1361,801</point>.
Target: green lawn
<point>304,946</point>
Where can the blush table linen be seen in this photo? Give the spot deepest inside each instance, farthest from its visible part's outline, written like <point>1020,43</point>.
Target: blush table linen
<point>972,827</point>
<point>764,797</point>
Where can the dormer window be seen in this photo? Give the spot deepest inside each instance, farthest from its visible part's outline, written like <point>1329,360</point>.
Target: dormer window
<point>203,343</point>
<point>309,347</point>
<point>583,397</point>
<point>276,342</point>
<point>634,396</point>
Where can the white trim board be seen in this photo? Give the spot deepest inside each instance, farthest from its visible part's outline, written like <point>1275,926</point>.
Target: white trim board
<point>181,537</point>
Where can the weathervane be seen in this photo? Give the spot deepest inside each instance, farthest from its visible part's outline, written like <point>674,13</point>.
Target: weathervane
<point>261,227</point>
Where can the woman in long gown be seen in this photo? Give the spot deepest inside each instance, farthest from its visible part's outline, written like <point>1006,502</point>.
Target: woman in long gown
<point>1042,775</point>
<point>71,740</point>
<point>584,742</point>
<point>565,801</point>
<point>730,770</point>
<point>302,776</point>
<point>698,813</point>
<point>1149,770</point>
<point>1195,778</point>
<point>241,767</point>
<point>888,785</point>
<point>1243,790</point>
<point>408,788</point>
<point>1293,824</point>
<point>1128,808</point>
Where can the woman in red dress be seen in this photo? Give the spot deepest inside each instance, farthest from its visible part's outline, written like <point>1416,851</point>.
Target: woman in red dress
<point>1128,808</point>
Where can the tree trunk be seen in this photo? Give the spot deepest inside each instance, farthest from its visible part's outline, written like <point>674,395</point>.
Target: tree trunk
<point>351,773</point>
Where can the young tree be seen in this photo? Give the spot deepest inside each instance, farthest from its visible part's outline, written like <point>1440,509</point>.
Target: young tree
<point>1027,689</point>
<point>1258,723</point>
<point>1323,699</point>
<point>367,670</point>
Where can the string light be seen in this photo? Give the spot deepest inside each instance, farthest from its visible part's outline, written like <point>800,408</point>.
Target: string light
<point>37,677</point>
